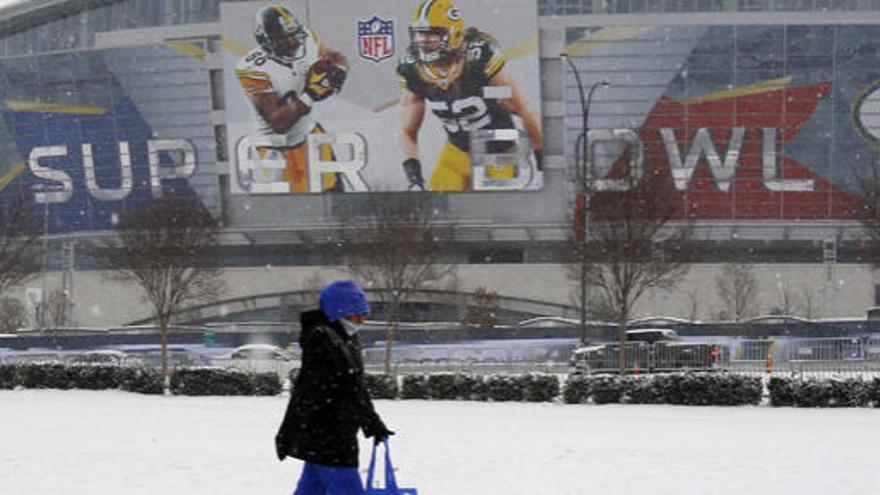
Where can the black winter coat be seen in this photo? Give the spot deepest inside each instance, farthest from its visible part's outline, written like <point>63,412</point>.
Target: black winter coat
<point>329,401</point>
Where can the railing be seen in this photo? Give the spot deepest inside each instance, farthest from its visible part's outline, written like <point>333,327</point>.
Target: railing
<point>806,357</point>
<point>821,356</point>
<point>281,367</point>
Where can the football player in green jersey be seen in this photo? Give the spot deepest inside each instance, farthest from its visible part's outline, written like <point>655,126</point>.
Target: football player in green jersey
<point>459,74</point>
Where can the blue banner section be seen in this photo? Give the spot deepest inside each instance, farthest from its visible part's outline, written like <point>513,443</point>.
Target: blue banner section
<point>52,133</point>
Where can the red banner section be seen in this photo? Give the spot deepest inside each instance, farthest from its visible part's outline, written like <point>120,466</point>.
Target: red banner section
<point>726,156</point>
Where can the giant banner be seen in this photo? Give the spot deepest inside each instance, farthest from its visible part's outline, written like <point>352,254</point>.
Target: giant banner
<point>85,135</point>
<point>387,95</point>
<point>746,122</point>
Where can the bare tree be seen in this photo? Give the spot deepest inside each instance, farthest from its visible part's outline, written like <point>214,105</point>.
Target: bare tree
<point>869,216</point>
<point>164,246</point>
<point>13,315</point>
<point>393,244</point>
<point>19,260</point>
<point>809,302</point>
<point>738,290</point>
<point>55,309</point>
<point>786,299</point>
<point>483,312</point>
<point>634,244</point>
<point>694,300</point>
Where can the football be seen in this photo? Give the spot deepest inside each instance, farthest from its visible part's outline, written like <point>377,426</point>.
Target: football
<point>321,66</point>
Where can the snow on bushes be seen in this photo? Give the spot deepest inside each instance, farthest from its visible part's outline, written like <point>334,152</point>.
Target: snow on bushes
<point>719,389</point>
<point>80,376</point>
<point>695,389</point>
<point>533,387</point>
<point>218,381</point>
<point>799,392</point>
<point>381,386</point>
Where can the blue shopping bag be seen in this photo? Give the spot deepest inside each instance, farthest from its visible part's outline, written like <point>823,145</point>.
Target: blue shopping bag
<point>391,487</point>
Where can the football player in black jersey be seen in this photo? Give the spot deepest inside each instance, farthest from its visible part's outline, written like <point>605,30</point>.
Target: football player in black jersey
<point>459,75</point>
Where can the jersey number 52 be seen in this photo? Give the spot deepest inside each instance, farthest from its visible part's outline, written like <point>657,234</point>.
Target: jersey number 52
<point>464,115</point>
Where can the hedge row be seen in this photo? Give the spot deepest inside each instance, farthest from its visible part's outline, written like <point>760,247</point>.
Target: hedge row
<point>685,389</point>
<point>218,381</point>
<point>184,381</point>
<point>457,386</point>
<point>81,376</point>
<point>799,392</point>
<point>695,389</point>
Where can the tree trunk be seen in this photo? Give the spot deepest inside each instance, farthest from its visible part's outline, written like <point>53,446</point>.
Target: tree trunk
<point>621,335</point>
<point>163,340</point>
<point>389,339</point>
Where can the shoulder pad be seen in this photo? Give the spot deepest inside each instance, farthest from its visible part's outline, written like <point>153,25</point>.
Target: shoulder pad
<point>486,55</point>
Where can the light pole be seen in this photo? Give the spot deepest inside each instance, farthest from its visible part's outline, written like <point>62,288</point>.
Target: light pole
<point>580,153</point>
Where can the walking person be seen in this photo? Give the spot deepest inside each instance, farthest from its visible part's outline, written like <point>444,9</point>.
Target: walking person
<point>329,401</point>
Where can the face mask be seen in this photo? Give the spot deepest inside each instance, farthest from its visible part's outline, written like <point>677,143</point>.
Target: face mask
<point>351,328</point>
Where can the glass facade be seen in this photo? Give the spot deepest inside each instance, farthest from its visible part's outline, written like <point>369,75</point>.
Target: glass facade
<point>748,122</point>
<point>76,27</point>
<point>575,7</point>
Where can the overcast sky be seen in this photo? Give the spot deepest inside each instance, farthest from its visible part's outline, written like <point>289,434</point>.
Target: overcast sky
<point>6,3</point>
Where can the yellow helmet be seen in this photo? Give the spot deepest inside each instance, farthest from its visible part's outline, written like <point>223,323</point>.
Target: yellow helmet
<point>436,31</point>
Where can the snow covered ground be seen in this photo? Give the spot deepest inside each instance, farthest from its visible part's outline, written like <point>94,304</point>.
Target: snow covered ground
<point>117,443</point>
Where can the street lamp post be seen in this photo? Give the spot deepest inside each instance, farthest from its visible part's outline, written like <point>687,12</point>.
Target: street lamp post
<point>581,161</point>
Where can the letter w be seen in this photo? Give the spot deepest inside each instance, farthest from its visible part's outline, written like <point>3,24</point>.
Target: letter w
<point>702,145</point>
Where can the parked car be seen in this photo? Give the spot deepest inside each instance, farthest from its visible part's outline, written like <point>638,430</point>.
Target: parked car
<point>261,352</point>
<point>102,356</point>
<point>650,350</point>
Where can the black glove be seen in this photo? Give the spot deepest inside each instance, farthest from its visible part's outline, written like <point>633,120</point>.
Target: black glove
<point>336,77</point>
<point>381,436</point>
<point>324,79</point>
<point>280,448</point>
<point>412,167</point>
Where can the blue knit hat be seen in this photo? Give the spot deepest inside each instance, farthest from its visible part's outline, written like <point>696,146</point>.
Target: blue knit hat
<point>342,299</point>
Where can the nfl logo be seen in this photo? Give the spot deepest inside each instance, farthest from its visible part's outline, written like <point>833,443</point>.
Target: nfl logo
<point>376,39</point>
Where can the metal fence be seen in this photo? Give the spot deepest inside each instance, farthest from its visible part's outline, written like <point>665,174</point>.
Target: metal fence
<point>642,357</point>
<point>796,356</point>
<point>282,368</point>
<point>850,355</point>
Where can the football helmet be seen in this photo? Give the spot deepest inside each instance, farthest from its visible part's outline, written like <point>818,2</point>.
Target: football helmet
<point>436,32</point>
<point>280,34</point>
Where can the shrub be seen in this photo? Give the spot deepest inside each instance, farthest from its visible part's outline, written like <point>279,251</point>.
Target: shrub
<point>782,393</point>
<point>381,386</point>
<point>266,384</point>
<point>649,391</point>
<point>414,387</point>
<point>503,388</point>
<point>576,390</point>
<point>679,388</point>
<point>812,393</point>
<point>211,381</point>
<point>746,390</point>
<point>821,393</point>
<point>8,376</point>
<point>607,389</point>
<point>94,376</point>
<point>476,385</point>
<point>444,386</point>
<point>874,392</point>
<point>142,380</point>
<point>850,393</point>
<point>44,375</point>
<point>539,387</point>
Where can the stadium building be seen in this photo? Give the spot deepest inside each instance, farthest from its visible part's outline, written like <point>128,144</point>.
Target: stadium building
<point>765,113</point>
